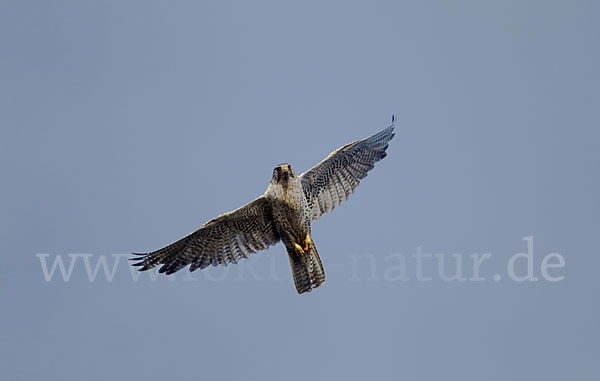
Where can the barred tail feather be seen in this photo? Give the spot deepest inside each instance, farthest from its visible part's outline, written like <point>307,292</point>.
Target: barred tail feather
<point>307,270</point>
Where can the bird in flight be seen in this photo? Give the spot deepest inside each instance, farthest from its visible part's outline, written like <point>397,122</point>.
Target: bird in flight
<point>283,213</point>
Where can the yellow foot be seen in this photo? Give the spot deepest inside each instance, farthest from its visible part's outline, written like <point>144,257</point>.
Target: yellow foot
<point>307,248</point>
<point>299,249</point>
<point>307,244</point>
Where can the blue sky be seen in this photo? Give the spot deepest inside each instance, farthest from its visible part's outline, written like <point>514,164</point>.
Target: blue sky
<point>126,125</point>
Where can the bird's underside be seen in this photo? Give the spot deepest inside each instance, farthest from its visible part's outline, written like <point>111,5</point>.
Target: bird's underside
<point>283,213</point>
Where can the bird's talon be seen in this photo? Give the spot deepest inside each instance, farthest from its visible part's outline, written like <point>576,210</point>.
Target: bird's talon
<point>307,244</point>
<point>299,249</point>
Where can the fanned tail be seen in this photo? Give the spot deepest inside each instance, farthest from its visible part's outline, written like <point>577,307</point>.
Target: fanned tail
<point>307,269</point>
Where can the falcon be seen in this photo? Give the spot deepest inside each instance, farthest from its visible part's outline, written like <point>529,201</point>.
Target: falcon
<point>283,213</point>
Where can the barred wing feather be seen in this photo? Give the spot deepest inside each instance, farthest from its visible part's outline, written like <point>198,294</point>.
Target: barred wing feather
<point>225,239</point>
<point>334,179</point>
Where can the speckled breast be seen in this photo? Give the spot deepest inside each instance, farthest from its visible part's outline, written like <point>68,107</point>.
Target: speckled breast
<point>292,215</point>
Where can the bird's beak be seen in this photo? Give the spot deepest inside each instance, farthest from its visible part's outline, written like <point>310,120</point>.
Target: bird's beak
<point>286,171</point>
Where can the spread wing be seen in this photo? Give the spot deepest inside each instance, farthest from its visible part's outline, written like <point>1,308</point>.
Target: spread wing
<point>225,239</point>
<point>334,179</point>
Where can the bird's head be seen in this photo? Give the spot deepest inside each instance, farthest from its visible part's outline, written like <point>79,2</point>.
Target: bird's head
<point>283,173</point>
